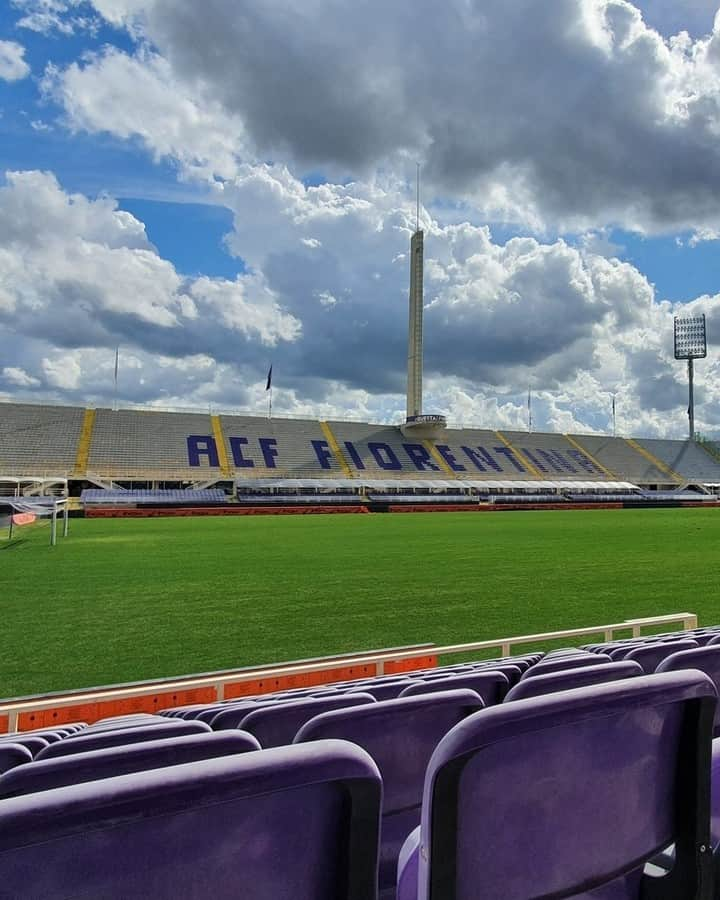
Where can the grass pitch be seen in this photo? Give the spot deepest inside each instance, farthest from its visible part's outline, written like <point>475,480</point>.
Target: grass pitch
<point>130,599</point>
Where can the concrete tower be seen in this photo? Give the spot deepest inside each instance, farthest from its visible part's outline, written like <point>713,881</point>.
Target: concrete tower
<point>415,329</point>
<point>416,422</point>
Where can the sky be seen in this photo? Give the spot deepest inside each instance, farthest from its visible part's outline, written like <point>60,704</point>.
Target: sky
<point>217,187</point>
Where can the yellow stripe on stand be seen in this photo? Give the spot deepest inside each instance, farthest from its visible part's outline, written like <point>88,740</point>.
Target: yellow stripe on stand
<point>520,455</point>
<point>438,457</point>
<point>655,462</point>
<point>220,444</point>
<point>595,462</point>
<point>335,447</point>
<point>82,454</point>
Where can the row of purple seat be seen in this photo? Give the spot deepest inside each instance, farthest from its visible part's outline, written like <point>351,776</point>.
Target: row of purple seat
<point>386,726</point>
<point>415,723</point>
<point>504,804</point>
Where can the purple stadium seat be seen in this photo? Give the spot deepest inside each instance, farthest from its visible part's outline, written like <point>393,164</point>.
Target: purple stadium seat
<point>124,721</point>
<point>119,737</point>
<point>232,715</point>
<point>48,736</point>
<point>715,797</point>
<point>505,806</point>
<point>562,664</point>
<point>208,714</point>
<point>12,755</point>
<point>573,678</point>
<point>382,689</point>
<point>278,724</point>
<point>43,775</point>
<point>296,823</point>
<point>706,659</point>
<point>491,686</point>
<point>400,735</point>
<point>33,742</point>
<point>651,655</point>
<point>713,641</point>
<point>512,671</point>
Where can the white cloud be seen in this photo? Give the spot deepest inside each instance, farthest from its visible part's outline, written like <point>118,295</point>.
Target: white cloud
<point>138,97</point>
<point>561,115</point>
<point>62,16</point>
<point>12,64</point>
<point>18,377</point>
<point>79,277</point>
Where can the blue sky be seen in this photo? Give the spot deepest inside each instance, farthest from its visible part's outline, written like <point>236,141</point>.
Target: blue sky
<point>263,197</point>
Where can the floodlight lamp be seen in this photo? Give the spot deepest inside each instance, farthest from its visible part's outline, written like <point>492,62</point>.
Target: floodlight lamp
<point>690,338</point>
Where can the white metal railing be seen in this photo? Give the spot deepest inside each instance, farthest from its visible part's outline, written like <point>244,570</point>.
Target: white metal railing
<point>14,709</point>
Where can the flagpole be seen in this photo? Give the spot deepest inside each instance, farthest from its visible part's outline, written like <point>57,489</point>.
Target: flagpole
<point>613,416</point>
<point>268,387</point>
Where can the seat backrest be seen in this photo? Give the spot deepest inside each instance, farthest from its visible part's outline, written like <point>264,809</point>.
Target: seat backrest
<point>651,655</point>
<point>505,811</point>
<point>298,822</point>
<point>12,755</point>
<point>383,689</point>
<point>573,678</point>
<point>33,742</point>
<point>278,724</point>
<point>232,715</point>
<point>706,659</point>
<point>400,735</point>
<point>118,737</point>
<point>713,641</point>
<point>48,734</point>
<point>45,774</point>
<point>489,685</point>
<point>125,723</point>
<point>562,664</point>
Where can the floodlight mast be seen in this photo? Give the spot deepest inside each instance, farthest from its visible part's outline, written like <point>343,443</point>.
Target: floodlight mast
<point>690,344</point>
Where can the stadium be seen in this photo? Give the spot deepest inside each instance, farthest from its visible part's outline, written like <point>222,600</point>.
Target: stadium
<point>373,657</point>
<point>390,762</point>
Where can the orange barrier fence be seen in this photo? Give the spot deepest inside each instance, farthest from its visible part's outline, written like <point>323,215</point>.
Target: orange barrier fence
<point>149,697</point>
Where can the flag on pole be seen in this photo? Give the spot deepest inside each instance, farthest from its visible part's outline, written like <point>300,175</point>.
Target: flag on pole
<point>269,379</point>
<point>117,359</point>
<point>613,405</point>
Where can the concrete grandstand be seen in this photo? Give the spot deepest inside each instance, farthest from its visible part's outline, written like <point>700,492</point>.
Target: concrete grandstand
<point>42,445</point>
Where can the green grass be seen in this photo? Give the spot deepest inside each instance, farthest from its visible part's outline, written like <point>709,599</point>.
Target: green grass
<point>122,600</point>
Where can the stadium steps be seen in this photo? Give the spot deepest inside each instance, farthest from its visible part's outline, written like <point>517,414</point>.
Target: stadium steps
<point>378,451</point>
<point>220,444</point>
<point>535,471</point>
<point>619,456</point>
<point>39,440</point>
<point>83,448</point>
<point>289,455</point>
<point>654,460</point>
<point>578,446</point>
<point>151,445</point>
<point>335,447</point>
<point>690,460</point>
<point>554,457</point>
<point>433,451</point>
